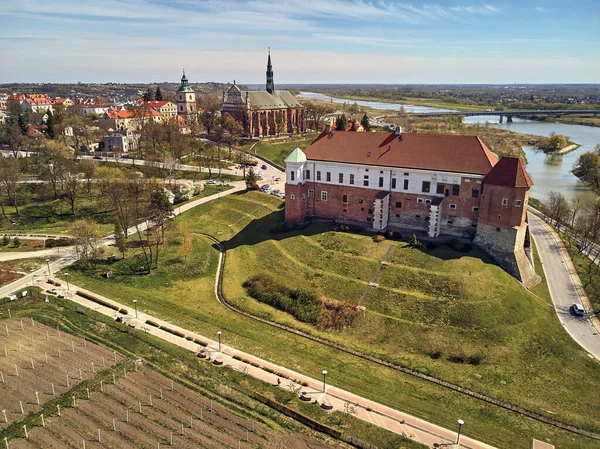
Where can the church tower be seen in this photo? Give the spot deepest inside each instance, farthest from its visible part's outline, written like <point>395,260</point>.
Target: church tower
<point>186,98</point>
<point>270,83</point>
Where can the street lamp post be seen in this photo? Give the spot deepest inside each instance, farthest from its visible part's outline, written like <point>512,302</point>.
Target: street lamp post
<point>219,334</point>
<point>460,424</point>
<point>135,305</point>
<point>67,279</point>
<point>324,377</point>
<point>48,264</point>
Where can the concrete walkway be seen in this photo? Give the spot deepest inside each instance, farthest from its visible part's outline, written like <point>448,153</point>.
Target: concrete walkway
<point>565,286</point>
<point>50,252</point>
<point>367,410</point>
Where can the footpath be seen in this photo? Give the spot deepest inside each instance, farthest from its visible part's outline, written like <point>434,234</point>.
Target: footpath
<point>336,398</point>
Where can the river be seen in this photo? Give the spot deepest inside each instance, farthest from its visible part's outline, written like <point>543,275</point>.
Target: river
<point>549,172</point>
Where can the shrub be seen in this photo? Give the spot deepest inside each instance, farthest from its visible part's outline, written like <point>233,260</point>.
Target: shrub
<point>336,315</point>
<point>97,300</point>
<point>201,343</point>
<point>414,242</point>
<point>303,304</point>
<point>123,311</point>
<point>16,242</point>
<point>188,338</point>
<point>378,238</point>
<point>183,191</point>
<point>152,323</point>
<point>61,241</point>
<point>172,331</point>
<point>5,240</point>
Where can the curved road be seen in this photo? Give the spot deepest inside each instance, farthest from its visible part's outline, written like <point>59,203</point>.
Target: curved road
<point>563,288</point>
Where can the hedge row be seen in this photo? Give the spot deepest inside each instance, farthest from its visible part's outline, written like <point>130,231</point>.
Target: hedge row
<point>101,302</point>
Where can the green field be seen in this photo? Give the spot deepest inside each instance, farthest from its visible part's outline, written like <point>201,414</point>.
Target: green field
<point>453,315</point>
<point>277,150</point>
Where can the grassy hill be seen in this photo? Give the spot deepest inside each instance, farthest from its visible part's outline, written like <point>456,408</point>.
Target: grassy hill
<point>454,315</point>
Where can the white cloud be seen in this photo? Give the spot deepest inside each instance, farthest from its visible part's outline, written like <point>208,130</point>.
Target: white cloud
<point>541,10</point>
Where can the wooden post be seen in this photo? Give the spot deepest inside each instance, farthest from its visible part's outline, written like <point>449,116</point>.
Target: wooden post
<point>99,440</point>
<point>68,385</point>
<point>84,343</point>
<point>6,326</point>
<point>5,418</point>
<point>22,328</point>
<point>124,372</point>
<point>191,421</point>
<point>2,376</point>
<point>114,379</point>
<point>171,438</point>
<point>58,408</point>
<point>182,431</point>
<point>93,368</point>
<point>21,404</point>
<point>43,423</point>
<point>103,364</point>
<point>115,355</point>
<point>83,444</point>
<point>126,415</point>
<point>161,396</point>
<point>88,392</point>
<point>32,365</point>
<point>72,346</point>
<point>58,331</point>
<point>80,374</point>
<point>140,406</point>
<point>211,409</point>
<point>172,386</point>
<point>46,357</point>
<point>114,425</point>
<point>25,427</point>
<point>59,351</point>
<point>150,400</point>
<point>201,413</point>
<point>101,387</point>
<point>17,370</point>
<point>53,389</point>
<point>6,442</point>
<point>32,322</point>
<point>74,403</point>
<point>37,398</point>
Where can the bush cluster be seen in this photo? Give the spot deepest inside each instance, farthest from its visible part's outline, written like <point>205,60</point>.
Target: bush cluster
<point>61,241</point>
<point>304,305</point>
<point>97,300</point>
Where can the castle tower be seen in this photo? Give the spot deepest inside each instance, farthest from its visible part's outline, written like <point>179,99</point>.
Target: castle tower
<point>502,229</point>
<point>270,83</point>
<point>186,98</point>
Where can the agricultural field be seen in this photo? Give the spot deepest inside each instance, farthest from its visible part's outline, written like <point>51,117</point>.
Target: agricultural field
<point>447,313</point>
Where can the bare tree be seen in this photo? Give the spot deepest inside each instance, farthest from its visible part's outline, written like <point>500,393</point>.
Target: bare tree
<point>9,181</point>
<point>86,236</point>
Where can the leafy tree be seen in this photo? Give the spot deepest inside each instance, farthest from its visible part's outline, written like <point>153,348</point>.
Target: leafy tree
<point>556,142</point>
<point>159,213</point>
<point>365,123</point>
<point>9,181</point>
<point>50,124</point>
<point>158,96</point>
<point>56,160</point>
<point>232,130</point>
<point>120,241</point>
<point>211,106</point>
<point>86,237</point>
<point>148,95</point>
<point>340,124</point>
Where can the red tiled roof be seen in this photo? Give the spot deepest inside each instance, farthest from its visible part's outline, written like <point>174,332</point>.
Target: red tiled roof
<point>461,154</point>
<point>509,171</point>
<point>156,104</point>
<point>127,113</point>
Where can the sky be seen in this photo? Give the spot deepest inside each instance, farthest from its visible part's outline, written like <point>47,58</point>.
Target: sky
<point>311,41</point>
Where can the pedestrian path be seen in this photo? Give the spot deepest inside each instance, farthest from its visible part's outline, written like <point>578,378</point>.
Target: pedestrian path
<point>365,409</point>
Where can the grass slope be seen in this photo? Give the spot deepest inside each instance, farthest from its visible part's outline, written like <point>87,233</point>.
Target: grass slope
<point>277,150</point>
<point>457,316</point>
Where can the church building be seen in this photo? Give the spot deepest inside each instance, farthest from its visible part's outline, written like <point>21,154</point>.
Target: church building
<point>437,184</point>
<point>264,113</point>
<point>186,99</point>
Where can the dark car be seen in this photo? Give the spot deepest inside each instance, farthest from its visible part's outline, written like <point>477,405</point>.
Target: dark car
<point>98,157</point>
<point>263,166</point>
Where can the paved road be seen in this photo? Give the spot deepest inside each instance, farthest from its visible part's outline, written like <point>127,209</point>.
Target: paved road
<point>367,410</point>
<point>50,252</point>
<point>563,288</point>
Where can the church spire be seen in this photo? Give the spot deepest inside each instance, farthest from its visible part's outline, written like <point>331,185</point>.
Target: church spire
<point>270,84</point>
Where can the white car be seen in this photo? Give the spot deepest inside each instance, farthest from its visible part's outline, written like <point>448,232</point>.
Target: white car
<point>265,187</point>
<point>210,181</point>
<point>578,309</point>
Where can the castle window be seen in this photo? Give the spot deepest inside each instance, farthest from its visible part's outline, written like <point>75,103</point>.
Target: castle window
<point>497,229</point>
<point>518,203</point>
<point>307,174</point>
<point>323,195</point>
<point>420,200</point>
<point>328,176</point>
<point>440,188</point>
<point>499,216</point>
<point>318,175</point>
<point>362,209</point>
<point>345,210</point>
<point>380,181</point>
<point>393,183</point>
<point>427,201</point>
<point>345,199</point>
<point>366,181</point>
<point>292,196</point>
<point>341,178</point>
<point>311,193</point>
<point>360,201</point>
<point>455,190</point>
<point>190,97</point>
<point>504,201</point>
<point>292,175</point>
<point>452,206</point>
<point>398,204</point>
<point>381,172</point>
<point>370,211</point>
<point>352,179</point>
<point>406,183</point>
<point>397,215</point>
<point>475,209</point>
<point>417,216</point>
<point>425,186</point>
<point>405,174</point>
<point>450,222</point>
<point>474,193</point>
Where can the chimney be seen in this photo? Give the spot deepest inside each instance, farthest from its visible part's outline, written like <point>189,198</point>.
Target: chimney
<point>397,131</point>
<point>327,129</point>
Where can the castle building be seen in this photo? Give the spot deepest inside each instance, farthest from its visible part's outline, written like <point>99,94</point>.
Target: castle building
<point>264,113</point>
<point>186,99</point>
<point>438,184</point>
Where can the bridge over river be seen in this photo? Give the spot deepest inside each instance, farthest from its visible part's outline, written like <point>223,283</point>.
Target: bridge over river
<point>508,114</point>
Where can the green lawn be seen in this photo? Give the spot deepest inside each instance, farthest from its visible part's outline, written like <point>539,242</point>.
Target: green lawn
<point>277,150</point>
<point>457,316</point>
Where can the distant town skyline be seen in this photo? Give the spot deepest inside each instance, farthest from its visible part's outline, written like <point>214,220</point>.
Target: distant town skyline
<point>338,41</point>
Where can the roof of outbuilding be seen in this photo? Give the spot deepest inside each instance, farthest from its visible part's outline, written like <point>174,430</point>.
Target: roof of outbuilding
<point>509,171</point>
<point>450,153</point>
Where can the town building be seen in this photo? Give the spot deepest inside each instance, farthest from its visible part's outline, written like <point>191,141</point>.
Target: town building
<point>186,99</point>
<point>437,184</point>
<point>87,109</point>
<point>36,104</point>
<point>128,119</point>
<point>167,109</point>
<point>120,142</point>
<point>264,113</point>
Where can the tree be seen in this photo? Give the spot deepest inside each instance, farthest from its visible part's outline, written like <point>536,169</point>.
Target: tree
<point>71,186</point>
<point>251,179</point>
<point>340,124</point>
<point>88,168</point>
<point>159,213</point>
<point>556,142</point>
<point>16,242</point>
<point>587,167</point>
<point>158,96</point>
<point>120,241</point>
<point>557,208</point>
<point>50,124</point>
<point>56,160</point>
<point>86,237</point>
<point>365,123</point>
<point>125,194</point>
<point>232,130</point>
<point>187,239</point>
<point>9,181</point>
<point>148,95</point>
<point>210,105</point>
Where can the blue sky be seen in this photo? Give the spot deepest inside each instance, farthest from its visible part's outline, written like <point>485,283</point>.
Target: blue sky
<point>312,41</point>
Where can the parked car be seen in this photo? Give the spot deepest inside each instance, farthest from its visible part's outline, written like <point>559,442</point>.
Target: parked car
<point>263,166</point>
<point>277,179</point>
<point>577,309</point>
<point>265,187</point>
<point>210,181</point>
<point>281,195</point>
<point>275,192</point>
<point>98,157</point>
